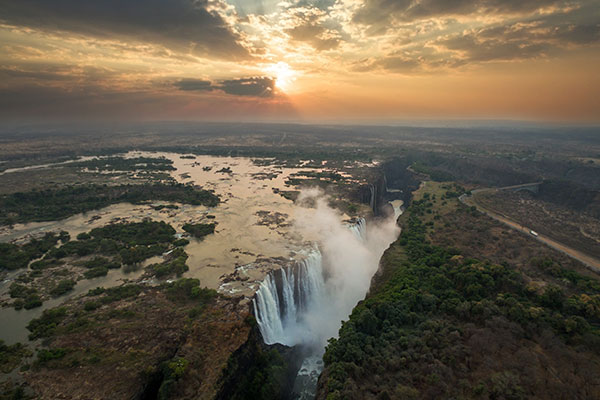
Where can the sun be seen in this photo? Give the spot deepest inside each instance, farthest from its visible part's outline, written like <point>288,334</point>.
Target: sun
<point>284,75</point>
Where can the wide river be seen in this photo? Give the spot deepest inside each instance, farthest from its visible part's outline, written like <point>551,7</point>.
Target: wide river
<point>255,231</point>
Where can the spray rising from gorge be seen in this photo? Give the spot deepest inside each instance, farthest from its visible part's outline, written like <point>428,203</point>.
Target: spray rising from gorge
<point>304,304</point>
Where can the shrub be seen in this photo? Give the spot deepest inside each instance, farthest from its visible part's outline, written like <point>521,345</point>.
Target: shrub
<point>199,230</point>
<point>62,287</point>
<point>46,324</point>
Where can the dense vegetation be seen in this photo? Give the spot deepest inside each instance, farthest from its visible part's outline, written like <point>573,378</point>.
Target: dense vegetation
<point>111,246</point>
<point>116,293</point>
<point>46,324</point>
<point>13,256</point>
<point>24,296</point>
<point>62,287</point>
<point>174,265</point>
<point>570,195</point>
<point>129,243</point>
<point>439,325</point>
<point>54,204</point>
<point>199,230</point>
<point>99,266</point>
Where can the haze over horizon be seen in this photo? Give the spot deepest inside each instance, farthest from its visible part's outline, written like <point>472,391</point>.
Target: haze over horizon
<point>308,60</point>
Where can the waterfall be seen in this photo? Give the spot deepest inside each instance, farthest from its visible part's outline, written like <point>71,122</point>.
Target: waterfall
<point>372,200</point>
<point>268,318</point>
<point>304,304</point>
<point>285,295</point>
<point>359,229</point>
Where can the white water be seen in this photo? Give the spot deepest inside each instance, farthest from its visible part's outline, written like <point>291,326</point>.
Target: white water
<point>306,303</point>
<point>280,306</point>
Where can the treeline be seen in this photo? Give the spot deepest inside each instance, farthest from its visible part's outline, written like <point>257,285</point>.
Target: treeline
<point>438,325</point>
<point>498,170</point>
<point>55,204</point>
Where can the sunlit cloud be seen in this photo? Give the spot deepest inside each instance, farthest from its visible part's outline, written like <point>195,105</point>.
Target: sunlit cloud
<point>317,54</point>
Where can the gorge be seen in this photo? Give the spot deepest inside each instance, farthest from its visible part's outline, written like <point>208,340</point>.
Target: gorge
<point>304,304</point>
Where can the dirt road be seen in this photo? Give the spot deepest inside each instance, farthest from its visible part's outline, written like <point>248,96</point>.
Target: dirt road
<point>591,262</point>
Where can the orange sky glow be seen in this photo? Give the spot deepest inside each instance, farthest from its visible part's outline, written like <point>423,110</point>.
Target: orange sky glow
<point>303,60</point>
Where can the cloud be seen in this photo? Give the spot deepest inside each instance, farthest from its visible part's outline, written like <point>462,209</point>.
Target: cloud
<point>578,34</point>
<point>37,76</point>
<point>33,102</point>
<point>519,41</point>
<point>261,86</point>
<point>382,12</point>
<point>436,44</point>
<point>194,26</point>
<point>194,85</point>
<point>393,63</point>
<point>312,24</point>
<point>314,34</point>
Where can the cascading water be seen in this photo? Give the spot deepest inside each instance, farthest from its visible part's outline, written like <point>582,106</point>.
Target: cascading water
<point>285,295</point>
<point>305,304</point>
<point>373,198</point>
<point>360,229</point>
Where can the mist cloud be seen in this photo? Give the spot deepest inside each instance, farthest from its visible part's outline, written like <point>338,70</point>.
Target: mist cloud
<point>348,261</point>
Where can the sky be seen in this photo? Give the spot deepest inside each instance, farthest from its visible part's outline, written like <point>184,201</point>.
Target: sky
<point>305,60</point>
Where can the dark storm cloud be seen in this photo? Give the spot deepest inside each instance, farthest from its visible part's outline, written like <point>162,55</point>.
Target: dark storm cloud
<point>256,86</point>
<point>181,25</point>
<point>261,86</point>
<point>380,12</point>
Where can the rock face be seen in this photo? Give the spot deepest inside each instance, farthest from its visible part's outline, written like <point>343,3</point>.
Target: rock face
<point>374,193</point>
<point>257,370</point>
<point>392,181</point>
<point>400,182</point>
